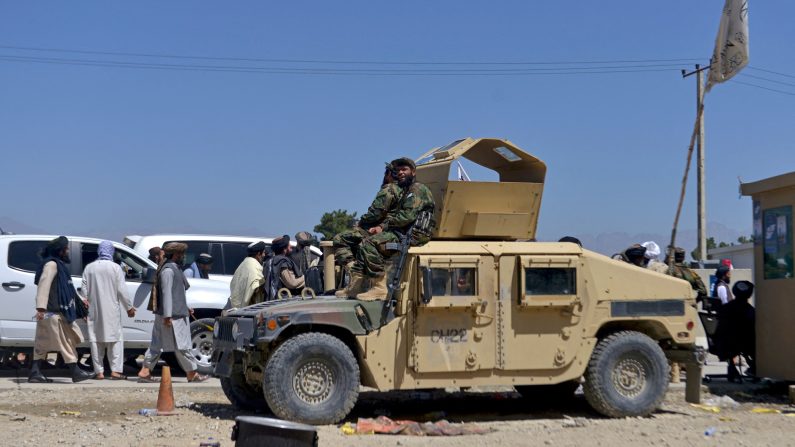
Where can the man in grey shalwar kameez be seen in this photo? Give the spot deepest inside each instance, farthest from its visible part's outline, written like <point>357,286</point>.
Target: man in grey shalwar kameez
<point>106,291</point>
<point>171,331</point>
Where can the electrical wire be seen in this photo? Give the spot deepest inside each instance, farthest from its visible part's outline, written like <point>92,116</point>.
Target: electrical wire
<point>763,88</point>
<point>341,62</point>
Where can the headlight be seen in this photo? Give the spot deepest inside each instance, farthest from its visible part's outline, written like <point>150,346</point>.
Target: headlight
<point>235,332</point>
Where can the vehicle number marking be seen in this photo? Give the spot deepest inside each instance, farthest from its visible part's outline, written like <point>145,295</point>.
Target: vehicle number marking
<point>449,335</point>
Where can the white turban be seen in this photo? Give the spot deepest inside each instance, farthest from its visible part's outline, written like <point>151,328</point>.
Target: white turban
<point>652,250</point>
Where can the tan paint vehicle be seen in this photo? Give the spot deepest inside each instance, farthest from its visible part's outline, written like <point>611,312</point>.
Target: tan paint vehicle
<point>478,305</point>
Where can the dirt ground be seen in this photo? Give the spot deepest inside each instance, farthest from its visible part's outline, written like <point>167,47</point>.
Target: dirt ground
<point>106,413</point>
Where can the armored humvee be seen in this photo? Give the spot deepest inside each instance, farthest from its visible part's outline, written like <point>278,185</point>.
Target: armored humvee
<point>480,304</point>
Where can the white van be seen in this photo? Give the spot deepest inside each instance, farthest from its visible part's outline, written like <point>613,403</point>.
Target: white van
<point>20,257</point>
<point>227,251</point>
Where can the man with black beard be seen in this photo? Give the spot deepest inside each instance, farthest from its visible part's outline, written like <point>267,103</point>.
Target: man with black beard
<point>57,308</point>
<point>284,274</point>
<point>370,258</point>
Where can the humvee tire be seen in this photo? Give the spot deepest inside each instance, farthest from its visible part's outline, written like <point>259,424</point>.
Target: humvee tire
<point>201,334</point>
<point>241,394</point>
<point>627,375</point>
<point>312,378</point>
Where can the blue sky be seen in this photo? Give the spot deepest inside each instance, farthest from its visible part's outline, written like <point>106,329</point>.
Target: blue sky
<point>114,151</point>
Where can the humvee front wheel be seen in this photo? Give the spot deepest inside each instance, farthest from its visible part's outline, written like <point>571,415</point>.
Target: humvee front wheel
<point>243,395</point>
<point>626,376</point>
<point>312,378</point>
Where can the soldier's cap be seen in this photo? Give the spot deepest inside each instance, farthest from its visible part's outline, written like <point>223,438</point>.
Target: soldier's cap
<point>256,247</point>
<point>743,290</point>
<point>173,248</point>
<point>679,254</point>
<point>280,244</point>
<point>204,258</point>
<point>403,161</point>
<point>303,238</point>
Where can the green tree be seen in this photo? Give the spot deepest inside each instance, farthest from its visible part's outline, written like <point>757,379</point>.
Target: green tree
<point>334,222</point>
<point>710,244</point>
<point>744,239</point>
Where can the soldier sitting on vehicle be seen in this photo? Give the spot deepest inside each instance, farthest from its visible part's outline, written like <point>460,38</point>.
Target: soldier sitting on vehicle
<point>346,243</point>
<point>370,262</point>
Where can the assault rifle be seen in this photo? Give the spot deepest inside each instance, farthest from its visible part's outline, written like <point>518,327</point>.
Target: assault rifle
<point>423,225</point>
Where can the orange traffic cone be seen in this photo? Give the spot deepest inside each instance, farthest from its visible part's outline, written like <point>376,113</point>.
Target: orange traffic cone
<point>165,396</point>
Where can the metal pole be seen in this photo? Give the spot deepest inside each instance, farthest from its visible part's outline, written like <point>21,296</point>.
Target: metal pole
<point>702,202</point>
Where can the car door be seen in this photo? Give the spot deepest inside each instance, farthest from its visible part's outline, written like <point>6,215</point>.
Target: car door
<point>137,330</point>
<point>18,293</point>
<point>455,330</point>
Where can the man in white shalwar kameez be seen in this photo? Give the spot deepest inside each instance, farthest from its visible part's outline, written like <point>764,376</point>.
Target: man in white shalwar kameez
<point>246,285</point>
<point>171,331</point>
<point>106,291</point>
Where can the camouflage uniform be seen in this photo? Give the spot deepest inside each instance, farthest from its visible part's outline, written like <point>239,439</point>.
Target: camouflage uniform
<point>370,256</point>
<point>681,271</point>
<point>346,243</point>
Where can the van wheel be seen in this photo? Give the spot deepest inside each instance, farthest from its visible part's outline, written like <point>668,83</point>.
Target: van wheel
<point>201,334</point>
<point>626,376</point>
<point>312,378</point>
<point>243,395</point>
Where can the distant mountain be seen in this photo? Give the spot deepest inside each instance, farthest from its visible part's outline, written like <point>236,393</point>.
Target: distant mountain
<point>11,225</point>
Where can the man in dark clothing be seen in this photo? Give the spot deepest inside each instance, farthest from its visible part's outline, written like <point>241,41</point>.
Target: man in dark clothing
<point>736,331</point>
<point>57,308</point>
<point>200,268</point>
<point>633,255</point>
<point>283,272</point>
<point>302,256</point>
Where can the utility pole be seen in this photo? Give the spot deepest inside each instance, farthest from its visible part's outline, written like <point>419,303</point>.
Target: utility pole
<point>701,194</point>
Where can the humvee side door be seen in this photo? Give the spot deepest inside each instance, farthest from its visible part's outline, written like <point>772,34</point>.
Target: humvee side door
<point>456,330</point>
<point>542,299</point>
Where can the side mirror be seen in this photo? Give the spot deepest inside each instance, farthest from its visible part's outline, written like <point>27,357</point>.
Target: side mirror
<point>427,285</point>
<point>149,275</point>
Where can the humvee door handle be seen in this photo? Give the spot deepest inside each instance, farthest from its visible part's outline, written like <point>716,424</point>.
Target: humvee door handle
<point>13,285</point>
<point>479,309</point>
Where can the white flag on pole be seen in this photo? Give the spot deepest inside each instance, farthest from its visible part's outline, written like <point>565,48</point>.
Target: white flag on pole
<point>731,45</point>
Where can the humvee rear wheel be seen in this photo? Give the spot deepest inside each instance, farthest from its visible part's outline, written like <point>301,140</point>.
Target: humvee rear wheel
<point>312,378</point>
<point>243,395</point>
<point>626,376</point>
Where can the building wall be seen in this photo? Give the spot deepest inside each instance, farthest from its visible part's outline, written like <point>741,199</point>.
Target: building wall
<point>775,304</point>
<point>742,255</point>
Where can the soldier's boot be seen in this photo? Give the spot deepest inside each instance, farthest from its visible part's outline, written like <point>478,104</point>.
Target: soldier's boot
<point>36,376</point>
<point>377,291</point>
<point>354,286</point>
<point>78,375</point>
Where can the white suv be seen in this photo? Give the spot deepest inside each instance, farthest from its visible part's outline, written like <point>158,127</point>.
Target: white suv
<point>227,251</point>
<point>20,257</point>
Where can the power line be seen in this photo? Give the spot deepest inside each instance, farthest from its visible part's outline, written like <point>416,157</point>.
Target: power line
<point>340,62</point>
<point>343,71</point>
<point>763,88</point>
<point>768,80</point>
<point>772,72</point>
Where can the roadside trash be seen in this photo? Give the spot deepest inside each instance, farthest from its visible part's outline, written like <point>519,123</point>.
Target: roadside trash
<point>762,410</point>
<point>710,408</point>
<point>147,412</point>
<point>709,432</point>
<point>70,413</point>
<point>384,425</point>
<point>726,419</point>
<point>210,443</point>
<point>17,418</point>
<point>721,402</point>
<point>348,429</point>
